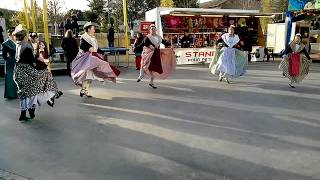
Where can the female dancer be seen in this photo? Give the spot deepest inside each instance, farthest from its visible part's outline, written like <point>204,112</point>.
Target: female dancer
<point>42,52</point>
<point>156,63</point>
<point>9,53</point>
<point>296,61</point>
<point>229,61</point>
<point>35,83</point>
<point>89,64</point>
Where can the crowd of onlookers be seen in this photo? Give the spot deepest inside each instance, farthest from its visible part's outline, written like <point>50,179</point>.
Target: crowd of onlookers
<point>69,24</point>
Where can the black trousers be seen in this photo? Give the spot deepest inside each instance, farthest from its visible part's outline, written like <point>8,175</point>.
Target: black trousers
<point>69,63</point>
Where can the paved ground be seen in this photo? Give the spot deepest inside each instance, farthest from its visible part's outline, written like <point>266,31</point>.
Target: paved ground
<point>192,127</point>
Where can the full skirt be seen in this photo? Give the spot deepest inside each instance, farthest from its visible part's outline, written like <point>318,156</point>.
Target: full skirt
<point>11,88</point>
<point>295,69</point>
<point>230,61</point>
<point>92,66</point>
<point>34,86</point>
<point>159,63</point>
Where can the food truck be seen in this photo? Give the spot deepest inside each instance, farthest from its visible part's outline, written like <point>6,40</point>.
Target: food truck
<point>204,28</point>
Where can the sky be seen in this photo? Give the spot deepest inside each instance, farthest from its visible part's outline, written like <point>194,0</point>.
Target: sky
<point>69,4</point>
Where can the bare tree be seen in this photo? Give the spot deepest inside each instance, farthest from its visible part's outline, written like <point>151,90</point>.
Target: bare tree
<point>54,8</point>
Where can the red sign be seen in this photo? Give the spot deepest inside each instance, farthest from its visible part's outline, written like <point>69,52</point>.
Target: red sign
<point>144,26</point>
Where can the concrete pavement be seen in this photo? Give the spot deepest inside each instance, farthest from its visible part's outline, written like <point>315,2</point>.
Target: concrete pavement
<point>191,127</point>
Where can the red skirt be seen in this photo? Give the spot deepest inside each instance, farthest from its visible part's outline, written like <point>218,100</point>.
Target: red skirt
<point>138,62</point>
<point>294,64</point>
<point>155,64</point>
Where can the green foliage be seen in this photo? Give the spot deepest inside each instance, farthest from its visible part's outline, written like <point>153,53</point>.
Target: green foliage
<point>97,6</point>
<point>166,3</point>
<point>7,14</point>
<point>186,3</point>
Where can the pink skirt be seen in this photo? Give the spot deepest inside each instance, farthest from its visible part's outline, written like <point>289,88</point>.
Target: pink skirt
<point>86,63</point>
<point>168,62</point>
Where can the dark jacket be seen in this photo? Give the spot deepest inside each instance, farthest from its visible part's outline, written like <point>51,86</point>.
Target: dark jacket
<point>148,43</point>
<point>85,46</point>
<point>185,42</point>
<point>27,57</point>
<point>138,45</point>
<point>68,26</point>
<point>8,51</point>
<point>1,35</point>
<point>70,47</point>
<point>111,35</point>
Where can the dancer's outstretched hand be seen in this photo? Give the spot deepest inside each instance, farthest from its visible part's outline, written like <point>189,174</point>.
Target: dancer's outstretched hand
<point>92,49</point>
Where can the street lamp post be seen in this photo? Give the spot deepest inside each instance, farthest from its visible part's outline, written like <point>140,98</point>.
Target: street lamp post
<point>33,17</point>
<point>125,20</point>
<point>45,26</point>
<point>45,22</point>
<point>26,14</point>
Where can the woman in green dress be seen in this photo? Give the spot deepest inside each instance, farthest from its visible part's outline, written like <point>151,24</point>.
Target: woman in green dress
<point>8,53</point>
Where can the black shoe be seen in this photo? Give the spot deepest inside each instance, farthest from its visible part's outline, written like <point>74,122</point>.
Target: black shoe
<point>83,93</point>
<point>220,79</point>
<point>292,86</point>
<point>59,94</point>
<point>153,86</point>
<point>227,80</point>
<point>32,113</point>
<point>51,102</point>
<point>23,116</point>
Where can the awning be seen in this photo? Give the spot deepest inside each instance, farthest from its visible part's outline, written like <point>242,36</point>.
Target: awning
<point>214,12</point>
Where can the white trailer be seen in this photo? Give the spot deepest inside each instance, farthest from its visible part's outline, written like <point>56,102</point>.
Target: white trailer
<point>276,36</point>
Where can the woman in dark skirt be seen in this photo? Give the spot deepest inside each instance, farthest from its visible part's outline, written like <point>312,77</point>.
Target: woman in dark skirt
<point>9,53</point>
<point>35,83</point>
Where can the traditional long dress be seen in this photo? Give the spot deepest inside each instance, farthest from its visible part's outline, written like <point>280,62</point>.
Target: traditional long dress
<point>229,61</point>
<point>91,66</point>
<point>295,64</point>
<point>9,53</point>
<point>35,83</point>
<point>157,63</point>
